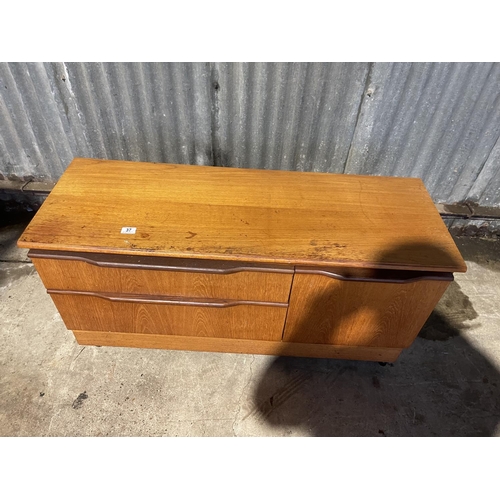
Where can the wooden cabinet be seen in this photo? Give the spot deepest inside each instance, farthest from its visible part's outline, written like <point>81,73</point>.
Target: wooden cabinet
<point>235,260</point>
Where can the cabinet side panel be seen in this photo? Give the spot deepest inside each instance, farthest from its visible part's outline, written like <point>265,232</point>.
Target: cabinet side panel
<point>325,310</point>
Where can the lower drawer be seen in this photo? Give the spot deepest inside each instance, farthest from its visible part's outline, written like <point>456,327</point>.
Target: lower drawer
<point>170,316</point>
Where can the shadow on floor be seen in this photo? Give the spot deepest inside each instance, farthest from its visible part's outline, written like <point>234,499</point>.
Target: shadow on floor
<point>440,386</point>
<point>13,221</point>
<point>17,208</point>
<point>12,224</point>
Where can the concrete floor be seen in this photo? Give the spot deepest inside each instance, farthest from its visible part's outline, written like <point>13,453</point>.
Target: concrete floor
<point>446,384</point>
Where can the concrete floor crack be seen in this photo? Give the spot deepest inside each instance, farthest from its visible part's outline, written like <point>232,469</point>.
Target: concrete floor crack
<point>238,411</point>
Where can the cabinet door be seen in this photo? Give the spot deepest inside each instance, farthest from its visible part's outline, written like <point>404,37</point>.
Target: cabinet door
<point>329,308</point>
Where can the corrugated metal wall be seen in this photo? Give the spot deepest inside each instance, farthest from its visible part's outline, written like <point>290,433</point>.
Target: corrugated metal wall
<point>437,121</point>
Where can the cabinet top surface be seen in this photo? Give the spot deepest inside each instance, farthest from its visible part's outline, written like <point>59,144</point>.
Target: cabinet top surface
<point>241,214</point>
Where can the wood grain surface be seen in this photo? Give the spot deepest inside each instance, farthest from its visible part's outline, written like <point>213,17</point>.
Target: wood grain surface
<point>152,263</point>
<point>243,214</point>
<point>152,341</point>
<point>325,310</point>
<point>84,312</point>
<point>77,275</point>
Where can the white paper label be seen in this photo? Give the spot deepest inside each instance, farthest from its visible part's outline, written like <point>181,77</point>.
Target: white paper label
<point>128,230</point>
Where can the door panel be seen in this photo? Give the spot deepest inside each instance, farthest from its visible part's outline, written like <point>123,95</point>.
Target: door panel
<point>326,310</point>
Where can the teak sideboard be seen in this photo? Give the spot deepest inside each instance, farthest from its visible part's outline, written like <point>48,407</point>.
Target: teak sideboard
<point>237,260</point>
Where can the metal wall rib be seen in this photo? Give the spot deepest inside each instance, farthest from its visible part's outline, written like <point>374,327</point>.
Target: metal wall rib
<point>288,116</point>
<point>436,121</point>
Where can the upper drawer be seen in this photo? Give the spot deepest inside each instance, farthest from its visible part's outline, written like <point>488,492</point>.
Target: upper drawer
<point>163,276</point>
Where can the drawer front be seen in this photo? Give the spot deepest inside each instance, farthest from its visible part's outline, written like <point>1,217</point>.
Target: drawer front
<point>208,281</point>
<point>360,311</point>
<point>170,316</point>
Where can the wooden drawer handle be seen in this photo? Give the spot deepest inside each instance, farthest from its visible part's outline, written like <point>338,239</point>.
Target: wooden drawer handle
<point>158,263</point>
<point>380,276</point>
<point>162,299</point>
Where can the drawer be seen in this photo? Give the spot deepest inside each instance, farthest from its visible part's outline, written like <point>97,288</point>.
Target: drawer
<point>361,307</point>
<point>170,315</point>
<point>163,276</point>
